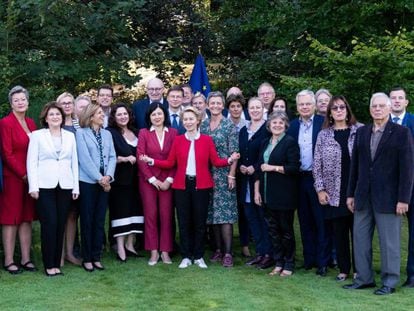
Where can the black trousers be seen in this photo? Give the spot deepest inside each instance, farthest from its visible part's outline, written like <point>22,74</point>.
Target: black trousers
<point>52,209</point>
<point>192,206</point>
<point>282,235</point>
<point>342,231</point>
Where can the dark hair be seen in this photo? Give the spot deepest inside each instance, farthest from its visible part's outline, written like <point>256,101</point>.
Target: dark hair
<point>112,121</point>
<point>175,88</point>
<point>398,88</point>
<point>186,85</point>
<point>106,87</point>
<point>45,111</point>
<point>329,121</point>
<point>235,98</point>
<point>273,103</point>
<point>152,107</point>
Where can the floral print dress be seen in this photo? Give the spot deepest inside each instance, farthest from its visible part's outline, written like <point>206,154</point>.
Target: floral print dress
<point>223,207</point>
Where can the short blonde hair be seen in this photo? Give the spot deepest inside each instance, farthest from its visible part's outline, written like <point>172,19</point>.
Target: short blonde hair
<point>192,110</point>
<point>88,112</point>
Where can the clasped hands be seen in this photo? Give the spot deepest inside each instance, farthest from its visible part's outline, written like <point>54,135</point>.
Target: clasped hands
<point>104,182</point>
<point>247,170</point>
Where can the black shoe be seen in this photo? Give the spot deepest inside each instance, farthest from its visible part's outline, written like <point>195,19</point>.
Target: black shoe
<point>98,267</point>
<point>26,267</point>
<point>409,283</point>
<point>266,263</point>
<point>87,269</point>
<point>120,259</point>
<point>322,271</point>
<point>50,274</point>
<point>254,261</point>
<point>384,290</point>
<point>131,253</point>
<point>358,286</point>
<point>17,271</point>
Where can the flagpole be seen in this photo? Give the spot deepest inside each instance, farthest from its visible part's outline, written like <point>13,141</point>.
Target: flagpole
<point>199,49</point>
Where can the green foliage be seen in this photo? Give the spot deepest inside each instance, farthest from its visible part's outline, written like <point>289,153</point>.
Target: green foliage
<point>350,47</point>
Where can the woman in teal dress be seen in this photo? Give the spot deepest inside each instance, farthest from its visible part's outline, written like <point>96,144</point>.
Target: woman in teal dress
<point>222,212</point>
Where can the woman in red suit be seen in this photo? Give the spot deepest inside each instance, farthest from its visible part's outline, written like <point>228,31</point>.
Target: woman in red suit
<point>192,154</point>
<point>154,183</point>
<point>16,205</point>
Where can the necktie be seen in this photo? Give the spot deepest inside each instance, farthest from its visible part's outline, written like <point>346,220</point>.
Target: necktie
<point>395,119</point>
<point>175,122</point>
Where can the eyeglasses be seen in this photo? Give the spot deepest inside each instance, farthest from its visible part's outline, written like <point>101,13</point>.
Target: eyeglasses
<point>336,108</point>
<point>154,89</point>
<point>266,93</point>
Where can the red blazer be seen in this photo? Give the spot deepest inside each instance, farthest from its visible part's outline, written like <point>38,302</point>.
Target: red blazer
<point>14,145</point>
<point>148,144</point>
<point>205,153</point>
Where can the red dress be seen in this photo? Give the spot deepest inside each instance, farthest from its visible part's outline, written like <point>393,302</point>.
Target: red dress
<point>16,205</point>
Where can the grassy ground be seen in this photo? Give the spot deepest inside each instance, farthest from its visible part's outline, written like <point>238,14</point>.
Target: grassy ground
<point>136,286</point>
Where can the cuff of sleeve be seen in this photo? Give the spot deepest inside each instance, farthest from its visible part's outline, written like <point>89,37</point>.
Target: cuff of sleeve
<point>151,163</point>
<point>170,180</point>
<point>152,179</point>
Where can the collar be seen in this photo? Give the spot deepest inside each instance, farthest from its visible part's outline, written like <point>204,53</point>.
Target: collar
<point>160,101</point>
<point>172,112</point>
<point>197,136</point>
<point>152,129</point>
<point>307,122</point>
<point>401,116</point>
<point>380,129</point>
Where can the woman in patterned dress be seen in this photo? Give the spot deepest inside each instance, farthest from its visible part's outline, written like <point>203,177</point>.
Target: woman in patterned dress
<point>222,212</point>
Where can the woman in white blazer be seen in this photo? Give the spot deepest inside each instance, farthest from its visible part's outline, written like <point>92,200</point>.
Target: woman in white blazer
<point>52,171</point>
<point>97,161</point>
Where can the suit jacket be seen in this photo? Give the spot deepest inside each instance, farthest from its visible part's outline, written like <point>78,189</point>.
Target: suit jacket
<point>46,168</point>
<point>124,172</point>
<point>294,126</point>
<point>249,155</point>
<point>205,154</point>
<point>282,191</point>
<point>14,143</point>
<point>388,178</point>
<point>89,157</point>
<point>140,109</point>
<point>180,129</point>
<point>148,144</point>
<point>408,121</point>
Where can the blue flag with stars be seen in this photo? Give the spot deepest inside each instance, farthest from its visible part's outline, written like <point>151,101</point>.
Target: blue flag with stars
<point>199,78</point>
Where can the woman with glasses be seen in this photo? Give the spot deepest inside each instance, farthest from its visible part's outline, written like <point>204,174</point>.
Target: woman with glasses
<point>331,172</point>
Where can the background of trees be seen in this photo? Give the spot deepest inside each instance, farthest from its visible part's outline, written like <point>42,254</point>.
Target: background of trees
<point>350,47</point>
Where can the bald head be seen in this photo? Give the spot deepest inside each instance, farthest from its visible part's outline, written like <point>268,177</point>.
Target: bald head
<point>155,89</point>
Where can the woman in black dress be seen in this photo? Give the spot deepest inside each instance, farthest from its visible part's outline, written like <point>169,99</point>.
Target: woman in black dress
<point>124,203</point>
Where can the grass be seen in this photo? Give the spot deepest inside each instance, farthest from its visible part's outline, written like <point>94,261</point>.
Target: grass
<point>136,286</point>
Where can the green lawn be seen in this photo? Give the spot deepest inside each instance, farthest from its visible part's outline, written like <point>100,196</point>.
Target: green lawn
<point>136,286</point>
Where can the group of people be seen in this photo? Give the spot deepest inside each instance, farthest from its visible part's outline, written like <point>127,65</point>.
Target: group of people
<point>215,161</point>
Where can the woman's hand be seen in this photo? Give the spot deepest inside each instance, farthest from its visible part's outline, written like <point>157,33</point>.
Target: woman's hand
<point>323,197</point>
<point>34,194</point>
<point>164,186</point>
<point>234,156</point>
<point>257,198</point>
<point>145,158</point>
<point>243,169</point>
<point>231,181</point>
<point>106,188</point>
<point>250,170</point>
<point>131,159</point>
<point>266,167</point>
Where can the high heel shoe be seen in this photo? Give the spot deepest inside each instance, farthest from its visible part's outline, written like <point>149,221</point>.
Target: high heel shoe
<point>153,262</point>
<point>166,259</point>
<point>120,259</point>
<point>131,253</point>
<point>86,268</point>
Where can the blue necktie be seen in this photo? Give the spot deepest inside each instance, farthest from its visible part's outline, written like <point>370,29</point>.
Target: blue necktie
<point>395,119</point>
<point>175,123</point>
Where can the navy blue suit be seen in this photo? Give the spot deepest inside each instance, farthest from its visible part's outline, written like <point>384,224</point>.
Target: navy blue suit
<point>408,121</point>
<point>140,109</point>
<point>315,244</point>
<point>249,155</point>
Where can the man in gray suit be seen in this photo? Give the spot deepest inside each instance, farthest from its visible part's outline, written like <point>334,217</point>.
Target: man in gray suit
<point>379,191</point>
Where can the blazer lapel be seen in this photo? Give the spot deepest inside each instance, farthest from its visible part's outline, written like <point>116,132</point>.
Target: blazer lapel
<point>383,141</point>
<point>91,136</point>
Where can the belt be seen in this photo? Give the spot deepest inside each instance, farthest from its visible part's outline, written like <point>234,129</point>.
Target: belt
<point>190,177</point>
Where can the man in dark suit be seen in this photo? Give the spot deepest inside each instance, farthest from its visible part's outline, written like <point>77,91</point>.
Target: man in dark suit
<point>379,191</point>
<point>175,97</point>
<point>305,130</point>
<point>155,90</point>
<point>400,115</point>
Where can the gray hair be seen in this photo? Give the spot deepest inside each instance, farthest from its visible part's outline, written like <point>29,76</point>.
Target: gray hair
<point>277,115</point>
<point>216,94</point>
<point>305,93</point>
<point>199,94</point>
<point>18,89</point>
<point>322,91</point>
<point>380,94</point>
<point>265,84</point>
<point>82,97</point>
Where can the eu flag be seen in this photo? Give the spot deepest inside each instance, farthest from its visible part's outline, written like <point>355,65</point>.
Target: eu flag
<point>199,78</point>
